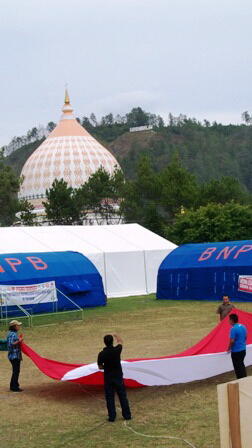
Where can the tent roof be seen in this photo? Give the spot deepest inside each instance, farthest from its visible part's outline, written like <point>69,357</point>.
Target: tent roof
<point>29,266</point>
<point>84,239</point>
<point>207,255</point>
<point>114,250</point>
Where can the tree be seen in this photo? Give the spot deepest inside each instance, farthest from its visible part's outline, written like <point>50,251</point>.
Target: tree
<point>213,222</point>
<point>222,190</point>
<point>101,195</point>
<point>32,134</point>
<point>3,150</point>
<point>9,186</point>
<point>117,182</point>
<point>137,117</point>
<point>62,205</point>
<point>26,209</point>
<point>179,188</point>
<point>93,119</point>
<point>107,120</point>
<point>119,119</point>
<point>177,121</point>
<point>50,126</point>
<point>160,122</point>
<point>246,117</point>
<point>85,122</point>
<point>171,119</point>
<point>140,201</point>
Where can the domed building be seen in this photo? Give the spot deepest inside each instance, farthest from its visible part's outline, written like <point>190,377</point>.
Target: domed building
<point>69,152</point>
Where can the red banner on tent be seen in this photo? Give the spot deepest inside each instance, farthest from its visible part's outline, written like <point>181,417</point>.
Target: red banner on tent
<point>245,283</point>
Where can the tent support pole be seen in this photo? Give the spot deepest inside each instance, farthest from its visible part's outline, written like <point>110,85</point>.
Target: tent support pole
<point>105,274</point>
<point>145,273</point>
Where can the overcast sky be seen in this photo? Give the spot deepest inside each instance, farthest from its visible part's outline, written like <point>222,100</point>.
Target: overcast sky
<point>178,56</point>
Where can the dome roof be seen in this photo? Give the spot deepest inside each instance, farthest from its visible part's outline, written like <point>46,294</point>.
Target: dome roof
<point>69,152</point>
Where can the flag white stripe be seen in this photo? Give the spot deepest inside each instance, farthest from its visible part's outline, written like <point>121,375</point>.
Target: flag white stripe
<point>163,372</point>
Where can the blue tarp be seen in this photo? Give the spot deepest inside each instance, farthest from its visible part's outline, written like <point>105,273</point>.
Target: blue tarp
<point>206,271</point>
<point>73,273</point>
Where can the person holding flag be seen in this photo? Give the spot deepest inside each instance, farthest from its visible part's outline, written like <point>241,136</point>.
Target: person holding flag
<point>237,345</point>
<point>109,360</point>
<point>14,342</point>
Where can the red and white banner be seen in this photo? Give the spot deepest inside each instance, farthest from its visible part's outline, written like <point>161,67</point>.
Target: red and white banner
<point>205,359</point>
<point>245,283</point>
<point>28,294</point>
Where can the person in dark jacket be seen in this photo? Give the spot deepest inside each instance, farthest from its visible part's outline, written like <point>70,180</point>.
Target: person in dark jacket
<point>109,360</point>
<point>14,342</point>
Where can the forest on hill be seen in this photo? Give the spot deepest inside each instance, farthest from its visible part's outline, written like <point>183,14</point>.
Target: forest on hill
<point>207,150</point>
<point>187,181</point>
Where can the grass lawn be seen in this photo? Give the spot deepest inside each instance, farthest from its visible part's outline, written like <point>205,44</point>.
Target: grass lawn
<point>65,415</point>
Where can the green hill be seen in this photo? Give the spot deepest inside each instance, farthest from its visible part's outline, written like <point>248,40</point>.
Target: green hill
<point>208,151</point>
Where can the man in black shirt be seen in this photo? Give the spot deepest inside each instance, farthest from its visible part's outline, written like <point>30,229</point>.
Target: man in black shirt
<point>109,360</point>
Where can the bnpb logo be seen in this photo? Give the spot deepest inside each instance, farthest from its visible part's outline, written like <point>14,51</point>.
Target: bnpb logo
<point>36,262</point>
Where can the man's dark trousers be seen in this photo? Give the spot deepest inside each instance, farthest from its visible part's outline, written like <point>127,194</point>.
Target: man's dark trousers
<point>238,363</point>
<point>116,385</point>
<point>14,384</point>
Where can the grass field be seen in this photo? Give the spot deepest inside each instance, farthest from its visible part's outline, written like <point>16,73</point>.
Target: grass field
<point>52,414</point>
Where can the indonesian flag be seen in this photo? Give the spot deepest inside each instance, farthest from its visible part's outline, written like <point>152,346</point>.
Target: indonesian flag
<point>207,358</point>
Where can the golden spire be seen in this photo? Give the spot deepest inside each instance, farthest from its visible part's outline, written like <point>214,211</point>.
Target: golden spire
<point>67,100</point>
<point>67,108</point>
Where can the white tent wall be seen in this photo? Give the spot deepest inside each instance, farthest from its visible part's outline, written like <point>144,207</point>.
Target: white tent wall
<point>153,259</point>
<point>154,250</point>
<point>127,255</point>
<point>125,273</point>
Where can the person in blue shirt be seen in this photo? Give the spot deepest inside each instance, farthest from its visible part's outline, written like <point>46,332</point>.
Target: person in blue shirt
<point>14,342</point>
<point>237,345</point>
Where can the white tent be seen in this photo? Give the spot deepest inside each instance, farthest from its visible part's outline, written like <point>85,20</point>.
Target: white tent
<point>126,255</point>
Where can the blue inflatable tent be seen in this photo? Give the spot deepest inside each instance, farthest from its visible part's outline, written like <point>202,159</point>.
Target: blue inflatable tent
<point>207,271</point>
<point>42,282</point>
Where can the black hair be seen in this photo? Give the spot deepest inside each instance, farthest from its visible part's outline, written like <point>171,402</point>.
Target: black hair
<point>12,328</point>
<point>108,340</point>
<point>234,318</point>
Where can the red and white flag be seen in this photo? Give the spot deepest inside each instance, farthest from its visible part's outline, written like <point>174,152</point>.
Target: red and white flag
<point>205,359</point>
